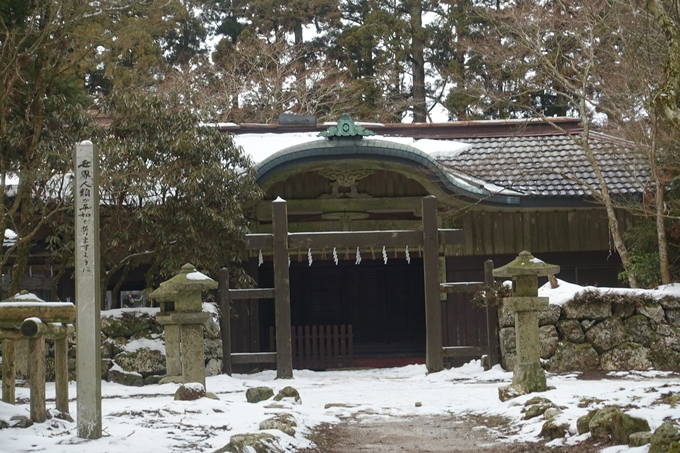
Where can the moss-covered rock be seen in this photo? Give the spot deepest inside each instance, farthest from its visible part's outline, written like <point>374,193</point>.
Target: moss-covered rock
<point>606,334</point>
<point>623,308</point>
<point>282,422</point>
<point>143,360</point>
<point>571,331</point>
<point>130,323</point>
<point>288,392</point>
<point>549,315</point>
<point>120,376</point>
<point>152,380</point>
<point>673,317</point>
<point>573,357</point>
<point>639,330</point>
<point>551,430</point>
<point>588,306</point>
<point>190,392</point>
<point>583,422</point>
<point>664,358</point>
<point>509,361</point>
<point>626,356</point>
<point>548,340</point>
<point>623,425</point>
<point>601,424</point>
<point>536,411</point>
<point>664,436</point>
<point>508,340</point>
<point>251,443</point>
<point>652,310</point>
<point>257,394</point>
<point>639,439</point>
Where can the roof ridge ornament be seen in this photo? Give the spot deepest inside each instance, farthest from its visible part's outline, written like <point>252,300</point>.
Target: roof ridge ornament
<point>346,129</point>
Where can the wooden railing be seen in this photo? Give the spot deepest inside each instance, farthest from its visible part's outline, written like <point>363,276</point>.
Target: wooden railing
<point>320,347</point>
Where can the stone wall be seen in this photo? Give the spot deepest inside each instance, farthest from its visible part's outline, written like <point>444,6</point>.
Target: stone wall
<point>602,331</point>
<point>133,350</point>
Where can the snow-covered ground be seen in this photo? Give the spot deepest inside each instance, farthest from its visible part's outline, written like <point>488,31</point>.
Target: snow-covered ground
<point>143,419</point>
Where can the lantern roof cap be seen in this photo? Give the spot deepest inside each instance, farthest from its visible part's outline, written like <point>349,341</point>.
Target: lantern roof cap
<point>188,279</point>
<point>526,264</point>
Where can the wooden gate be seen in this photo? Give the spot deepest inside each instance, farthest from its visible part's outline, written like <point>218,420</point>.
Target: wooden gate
<point>319,347</point>
<point>282,242</point>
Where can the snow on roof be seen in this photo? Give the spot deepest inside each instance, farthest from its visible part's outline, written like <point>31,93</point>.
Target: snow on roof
<point>197,276</point>
<point>260,146</point>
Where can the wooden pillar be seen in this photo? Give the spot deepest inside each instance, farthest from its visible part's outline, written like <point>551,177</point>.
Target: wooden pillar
<point>225,320</point>
<point>433,353</point>
<point>491,317</point>
<point>284,355</point>
<point>9,371</point>
<point>61,374</point>
<point>36,372</point>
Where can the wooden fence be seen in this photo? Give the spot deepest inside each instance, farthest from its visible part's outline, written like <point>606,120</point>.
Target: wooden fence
<point>319,347</point>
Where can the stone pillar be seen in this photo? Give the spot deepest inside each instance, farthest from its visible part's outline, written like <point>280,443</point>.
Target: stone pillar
<point>61,374</point>
<point>8,371</point>
<point>173,355</point>
<point>36,372</point>
<point>528,376</point>
<point>88,295</point>
<point>193,354</point>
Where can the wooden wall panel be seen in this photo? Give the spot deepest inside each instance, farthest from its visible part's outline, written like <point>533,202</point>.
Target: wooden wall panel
<point>489,233</point>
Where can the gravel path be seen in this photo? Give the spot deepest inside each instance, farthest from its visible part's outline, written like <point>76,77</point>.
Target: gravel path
<point>421,435</point>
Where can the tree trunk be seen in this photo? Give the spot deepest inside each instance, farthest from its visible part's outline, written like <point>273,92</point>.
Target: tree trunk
<point>19,269</point>
<point>605,197</point>
<point>661,232</point>
<point>418,62</point>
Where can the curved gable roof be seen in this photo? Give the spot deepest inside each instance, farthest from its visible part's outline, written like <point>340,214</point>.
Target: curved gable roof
<point>323,150</point>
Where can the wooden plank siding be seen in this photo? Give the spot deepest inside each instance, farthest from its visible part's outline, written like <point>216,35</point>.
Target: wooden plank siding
<point>381,183</point>
<point>500,233</point>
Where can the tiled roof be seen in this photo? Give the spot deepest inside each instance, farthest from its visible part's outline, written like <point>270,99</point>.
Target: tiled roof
<point>550,166</point>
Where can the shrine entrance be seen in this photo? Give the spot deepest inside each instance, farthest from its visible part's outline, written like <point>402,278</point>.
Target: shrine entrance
<point>283,244</point>
<point>384,304</point>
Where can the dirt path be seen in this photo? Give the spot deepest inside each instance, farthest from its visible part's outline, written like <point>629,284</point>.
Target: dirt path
<point>421,435</point>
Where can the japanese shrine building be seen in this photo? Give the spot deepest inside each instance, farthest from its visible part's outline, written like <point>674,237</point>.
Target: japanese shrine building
<point>501,182</point>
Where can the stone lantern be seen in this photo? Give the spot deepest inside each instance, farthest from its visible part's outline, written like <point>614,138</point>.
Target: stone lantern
<point>182,318</point>
<point>524,270</point>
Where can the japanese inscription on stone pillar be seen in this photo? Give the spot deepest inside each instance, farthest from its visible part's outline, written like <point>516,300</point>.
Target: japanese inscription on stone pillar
<point>88,297</point>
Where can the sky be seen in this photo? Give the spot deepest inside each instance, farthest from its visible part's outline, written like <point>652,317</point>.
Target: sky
<point>143,419</point>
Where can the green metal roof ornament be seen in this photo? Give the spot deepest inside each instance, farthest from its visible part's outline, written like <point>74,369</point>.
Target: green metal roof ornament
<point>346,129</point>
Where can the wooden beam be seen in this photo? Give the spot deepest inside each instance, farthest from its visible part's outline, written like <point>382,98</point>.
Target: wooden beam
<point>284,353</point>
<point>353,239</point>
<point>251,293</point>
<point>461,287</point>
<point>433,312</point>
<point>225,320</point>
<point>491,317</point>
<point>262,241</point>
<point>263,210</point>
<point>253,357</point>
<point>463,351</point>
